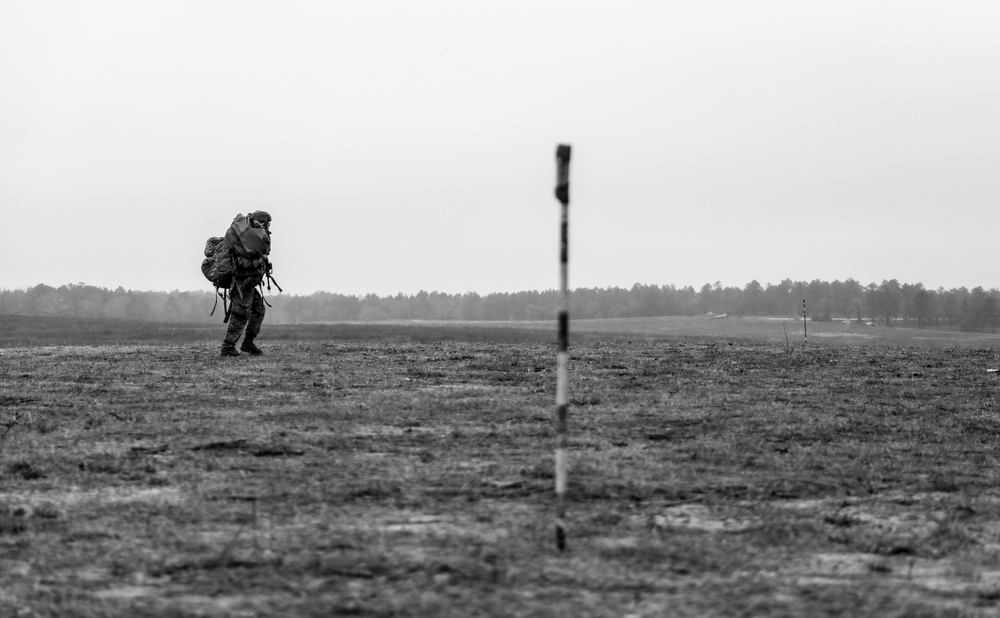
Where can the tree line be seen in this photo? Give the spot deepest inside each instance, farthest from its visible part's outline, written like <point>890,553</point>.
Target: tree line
<point>889,303</point>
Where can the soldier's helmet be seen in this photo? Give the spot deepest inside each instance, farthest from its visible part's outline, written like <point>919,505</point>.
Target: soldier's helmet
<point>260,216</point>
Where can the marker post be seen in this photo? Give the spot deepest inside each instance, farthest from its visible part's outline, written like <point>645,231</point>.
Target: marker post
<point>562,359</point>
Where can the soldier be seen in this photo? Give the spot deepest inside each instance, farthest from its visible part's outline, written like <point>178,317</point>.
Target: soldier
<point>247,310</point>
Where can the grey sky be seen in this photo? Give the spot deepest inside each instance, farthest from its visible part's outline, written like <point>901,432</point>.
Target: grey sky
<point>405,145</point>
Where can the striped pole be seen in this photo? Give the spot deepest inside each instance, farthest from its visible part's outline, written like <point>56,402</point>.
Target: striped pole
<point>562,358</point>
<point>805,332</point>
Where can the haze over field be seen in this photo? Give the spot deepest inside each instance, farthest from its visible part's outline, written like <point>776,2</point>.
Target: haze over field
<point>410,146</point>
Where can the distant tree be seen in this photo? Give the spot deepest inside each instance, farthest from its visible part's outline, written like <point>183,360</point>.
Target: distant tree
<point>422,305</point>
<point>53,303</point>
<point>705,298</point>
<point>753,299</point>
<point>891,296</point>
<point>470,306</point>
<point>990,312</point>
<point>909,302</point>
<point>816,291</point>
<point>950,306</point>
<point>137,306</point>
<point>823,311</point>
<point>980,310</point>
<point>646,300</point>
<point>847,297</point>
<point>689,299</point>
<point>872,302</point>
<point>778,298</point>
<point>894,300</point>
<point>172,309</point>
<point>370,308</point>
<point>729,298</point>
<point>923,307</point>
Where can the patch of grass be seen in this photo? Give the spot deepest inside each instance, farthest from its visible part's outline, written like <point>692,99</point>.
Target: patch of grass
<point>13,521</point>
<point>26,470</point>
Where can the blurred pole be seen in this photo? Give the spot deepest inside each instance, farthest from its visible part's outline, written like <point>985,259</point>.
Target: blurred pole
<point>805,332</point>
<point>562,377</point>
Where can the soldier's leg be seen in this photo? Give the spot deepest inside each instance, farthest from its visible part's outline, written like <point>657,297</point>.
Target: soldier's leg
<point>256,314</point>
<point>254,323</point>
<point>238,317</point>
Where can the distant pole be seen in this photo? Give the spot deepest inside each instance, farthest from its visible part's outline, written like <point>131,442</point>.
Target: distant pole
<point>805,332</point>
<point>562,358</point>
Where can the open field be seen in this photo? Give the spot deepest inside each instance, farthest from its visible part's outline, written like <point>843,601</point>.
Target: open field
<point>405,470</point>
<point>787,331</point>
<point>34,331</point>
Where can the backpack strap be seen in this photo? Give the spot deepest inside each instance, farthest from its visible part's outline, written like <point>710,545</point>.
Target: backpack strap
<point>237,286</point>
<point>226,307</point>
<point>262,297</point>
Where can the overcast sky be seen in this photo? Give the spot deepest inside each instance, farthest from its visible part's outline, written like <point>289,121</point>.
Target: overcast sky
<point>406,146</point>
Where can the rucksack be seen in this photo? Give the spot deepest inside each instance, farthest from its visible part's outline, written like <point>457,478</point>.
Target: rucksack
<point>218,265</point>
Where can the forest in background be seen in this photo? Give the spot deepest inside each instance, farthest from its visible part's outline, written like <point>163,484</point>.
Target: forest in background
<point>889,303</point>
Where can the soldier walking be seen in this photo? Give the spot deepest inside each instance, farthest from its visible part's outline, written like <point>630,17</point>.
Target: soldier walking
<point>253,233</point>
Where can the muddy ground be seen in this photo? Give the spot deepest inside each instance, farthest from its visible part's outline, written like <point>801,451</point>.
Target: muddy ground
<point>388,476</point>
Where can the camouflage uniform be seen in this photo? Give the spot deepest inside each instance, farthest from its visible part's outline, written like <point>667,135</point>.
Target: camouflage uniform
<point>247,309</point>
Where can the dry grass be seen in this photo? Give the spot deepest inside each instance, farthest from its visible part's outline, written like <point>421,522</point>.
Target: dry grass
<point>399,475</point>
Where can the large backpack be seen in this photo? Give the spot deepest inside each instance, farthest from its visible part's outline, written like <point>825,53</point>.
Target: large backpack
<point>218,265</point>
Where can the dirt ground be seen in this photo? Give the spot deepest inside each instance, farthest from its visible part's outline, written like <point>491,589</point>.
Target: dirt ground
<point>395,477</point>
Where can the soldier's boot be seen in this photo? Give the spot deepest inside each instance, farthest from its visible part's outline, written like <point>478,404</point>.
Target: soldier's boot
<point>229,349</point>
<point>249,347</point>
